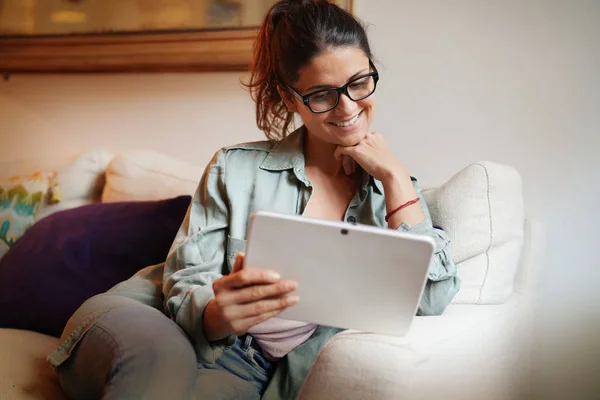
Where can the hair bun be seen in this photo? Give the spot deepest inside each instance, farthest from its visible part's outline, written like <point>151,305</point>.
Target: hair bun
<point>305,3</point>
<point>284,8</point>
<point>301,2</point>
<point>293,7</point>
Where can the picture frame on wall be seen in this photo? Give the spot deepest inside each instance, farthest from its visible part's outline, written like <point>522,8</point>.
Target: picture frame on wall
<point>71,36</point>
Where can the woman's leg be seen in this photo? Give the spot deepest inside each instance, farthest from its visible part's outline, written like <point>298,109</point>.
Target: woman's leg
<point>133,352</point>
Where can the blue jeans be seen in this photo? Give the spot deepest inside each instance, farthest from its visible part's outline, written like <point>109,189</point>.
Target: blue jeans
<point>138,353</point>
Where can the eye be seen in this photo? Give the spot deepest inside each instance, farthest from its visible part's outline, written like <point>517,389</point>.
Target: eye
<point>359,83</point>
<point>322,96</point>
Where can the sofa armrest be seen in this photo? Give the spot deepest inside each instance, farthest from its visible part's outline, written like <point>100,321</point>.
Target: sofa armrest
<point>527,280</point>
<point>472,351</point>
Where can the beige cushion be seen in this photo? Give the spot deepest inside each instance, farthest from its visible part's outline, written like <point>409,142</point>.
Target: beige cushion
<point>481,208</point>
<point>80,182</point>
<point>147,175</point>
<point>80,178</point>
<point>24,372</point>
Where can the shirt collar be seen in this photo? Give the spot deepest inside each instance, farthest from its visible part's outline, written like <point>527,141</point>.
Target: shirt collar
<point>288,153</point>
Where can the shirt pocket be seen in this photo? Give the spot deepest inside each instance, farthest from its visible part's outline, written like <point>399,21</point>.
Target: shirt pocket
<point>234,246</point>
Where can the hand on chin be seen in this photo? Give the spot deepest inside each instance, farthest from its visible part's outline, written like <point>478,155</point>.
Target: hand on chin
<point>352,139</point>
<point>349,165</point>
<point>374,156</point>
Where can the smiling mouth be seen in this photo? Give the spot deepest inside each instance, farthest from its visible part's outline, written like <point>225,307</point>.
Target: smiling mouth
<point>348,123</point>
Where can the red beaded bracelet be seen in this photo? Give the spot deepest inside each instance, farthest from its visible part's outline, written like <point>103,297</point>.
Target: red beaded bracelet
<point>408,203</point>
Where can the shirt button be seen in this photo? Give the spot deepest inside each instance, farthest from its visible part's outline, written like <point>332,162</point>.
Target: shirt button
<point>351,219</point>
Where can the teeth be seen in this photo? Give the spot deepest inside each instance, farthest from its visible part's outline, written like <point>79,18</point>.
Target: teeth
<point>348,123</point>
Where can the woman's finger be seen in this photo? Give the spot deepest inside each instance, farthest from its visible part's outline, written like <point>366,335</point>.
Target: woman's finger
<point>250,276</point>
<point>348,164</point>
<point>259,292</point>
<point>242,326</point>
<point>255,292</point>
<point>340,151</point>
<point>249,310</point>
<point>239,262</point>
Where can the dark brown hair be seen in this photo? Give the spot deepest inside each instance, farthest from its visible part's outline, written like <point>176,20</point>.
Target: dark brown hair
<point>291,34</point>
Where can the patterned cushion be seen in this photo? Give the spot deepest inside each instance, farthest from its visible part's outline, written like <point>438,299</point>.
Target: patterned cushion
<point>20,199</point>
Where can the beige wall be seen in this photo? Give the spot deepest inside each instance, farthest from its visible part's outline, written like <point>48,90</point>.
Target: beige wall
<point>188,116</point>
<point>514,82</point>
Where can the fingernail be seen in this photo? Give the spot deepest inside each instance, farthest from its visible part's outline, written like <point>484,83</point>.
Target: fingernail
<point>274,276</point>
<point>293,299</point>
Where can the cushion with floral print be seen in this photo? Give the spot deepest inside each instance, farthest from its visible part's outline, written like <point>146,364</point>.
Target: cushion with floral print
<point>20,199</point>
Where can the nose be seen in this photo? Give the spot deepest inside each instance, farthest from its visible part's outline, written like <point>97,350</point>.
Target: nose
<point>346,106</point>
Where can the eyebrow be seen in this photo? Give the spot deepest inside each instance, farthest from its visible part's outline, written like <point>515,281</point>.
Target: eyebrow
<point>317,87</point>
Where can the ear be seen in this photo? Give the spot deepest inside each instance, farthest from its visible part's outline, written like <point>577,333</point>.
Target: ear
<point>288,99</point>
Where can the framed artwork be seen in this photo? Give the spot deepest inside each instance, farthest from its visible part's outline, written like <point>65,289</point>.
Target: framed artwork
<point>66,36</point>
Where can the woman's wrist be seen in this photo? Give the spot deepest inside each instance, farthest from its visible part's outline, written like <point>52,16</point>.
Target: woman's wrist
<point>397,184</point>
<point>214,328</point>
<point>399,190</point>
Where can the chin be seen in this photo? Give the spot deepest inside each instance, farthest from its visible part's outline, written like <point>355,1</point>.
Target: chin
<point>349,137</point>
<point>353,138</point>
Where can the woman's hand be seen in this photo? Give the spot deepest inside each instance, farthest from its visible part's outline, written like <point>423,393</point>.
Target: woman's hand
<point>245,298</point>
<point>375,157</point>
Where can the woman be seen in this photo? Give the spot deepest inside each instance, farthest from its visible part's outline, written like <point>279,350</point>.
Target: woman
<point>222,338</point>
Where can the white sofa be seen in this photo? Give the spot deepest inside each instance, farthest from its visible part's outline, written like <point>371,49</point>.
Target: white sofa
<point>480,348</point>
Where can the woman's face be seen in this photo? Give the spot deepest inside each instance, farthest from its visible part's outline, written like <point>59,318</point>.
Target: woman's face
<point>349,122</point>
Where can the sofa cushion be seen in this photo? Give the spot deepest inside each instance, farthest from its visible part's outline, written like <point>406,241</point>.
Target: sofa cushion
<point>24,372</point>
<point>20,200</point>
<point>491,345</point>
<point>80,177</point>
<point>80,181</point>
<point>481,208</point>
<point>143,175</point>
<point>72,255</point>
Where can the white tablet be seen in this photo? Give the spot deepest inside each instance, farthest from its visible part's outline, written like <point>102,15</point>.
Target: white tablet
<point>350,276</point>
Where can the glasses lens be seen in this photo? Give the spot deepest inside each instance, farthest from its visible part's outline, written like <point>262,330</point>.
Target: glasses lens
<point>323,101</point>
<point>361,88</point>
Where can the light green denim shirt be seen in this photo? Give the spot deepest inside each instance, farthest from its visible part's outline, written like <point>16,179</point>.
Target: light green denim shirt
<point>239,180</point>
<point>266,176</point>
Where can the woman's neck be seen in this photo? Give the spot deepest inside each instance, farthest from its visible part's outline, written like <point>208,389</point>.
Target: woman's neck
<point>320,155</point>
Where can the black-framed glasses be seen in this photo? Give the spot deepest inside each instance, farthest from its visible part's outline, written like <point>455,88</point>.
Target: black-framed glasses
<point>324,100</point>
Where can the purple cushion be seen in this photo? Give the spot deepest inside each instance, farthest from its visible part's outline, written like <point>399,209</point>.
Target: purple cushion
<point>75,254</point>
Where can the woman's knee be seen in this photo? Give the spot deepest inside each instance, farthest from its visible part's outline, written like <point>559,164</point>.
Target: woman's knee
<point>144,333</point>
<point>101,303</point>
<point>134,350</point>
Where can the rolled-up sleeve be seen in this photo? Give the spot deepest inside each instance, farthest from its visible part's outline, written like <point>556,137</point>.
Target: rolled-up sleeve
<point>442,280</point>
<point>196,260</point>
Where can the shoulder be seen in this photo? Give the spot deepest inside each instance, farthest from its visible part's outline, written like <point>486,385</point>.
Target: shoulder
<point>248,155</point>
<point>248,150</point>
<point>264,146</point>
